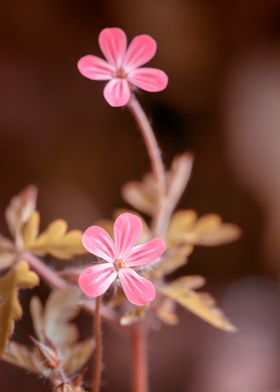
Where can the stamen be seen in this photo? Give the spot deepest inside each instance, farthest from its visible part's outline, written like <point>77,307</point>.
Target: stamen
<point>119,264</point>
<point>120,73</point>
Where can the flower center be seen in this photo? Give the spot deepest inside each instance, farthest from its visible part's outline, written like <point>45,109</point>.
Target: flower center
<point>120,73</point>
<point>119,264</point>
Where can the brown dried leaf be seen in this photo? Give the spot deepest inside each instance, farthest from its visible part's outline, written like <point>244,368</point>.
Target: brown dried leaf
<point>55,240</point>
<point>166,312</point>
<point>209,230</point>
<point>20,209</point>
<point>201,304</point>
<point>19,355</point>
<point>10,309</point>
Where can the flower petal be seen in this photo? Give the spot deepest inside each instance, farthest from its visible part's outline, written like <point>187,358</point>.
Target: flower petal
<point>112,42</point>
<point>146,253</point>
<point>149,79</point>
<point>117,92</point>
<point>139,291</point>
<point>95,68</point>
<point>141,50</point>
<point>94,281</point>
<point>127,229</point>
<point>98,242</point>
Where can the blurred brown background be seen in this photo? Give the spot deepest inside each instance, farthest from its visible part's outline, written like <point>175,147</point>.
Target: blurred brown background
<point>222,103</point>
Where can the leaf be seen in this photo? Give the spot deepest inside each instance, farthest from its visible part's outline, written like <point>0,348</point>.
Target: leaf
<point>20,209</point>
<point>10,309</point>
<point>133,316</point>
<point>166,312</point>
<point>19,355</point>
<point>209,230</point>
<point>7,253</point>
<point>76,358</point>
<point>64,388</point>
<point>54,320</point>
<point>178,177</point>
<point>141,194</point>
<point>55,240</point>
<point>201,304</point>
<point>55,330</point>
<point>170,262</point>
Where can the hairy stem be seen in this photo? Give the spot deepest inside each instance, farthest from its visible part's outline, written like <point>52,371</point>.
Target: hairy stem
<point>155,157</point>
<point>140,368</point>
<point>98,347</point>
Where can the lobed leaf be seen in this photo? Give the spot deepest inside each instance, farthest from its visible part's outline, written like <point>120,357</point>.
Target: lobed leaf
<point>209,230</point>
<point>55,240</point>
<point>201,304</point>
<point>10,309</point>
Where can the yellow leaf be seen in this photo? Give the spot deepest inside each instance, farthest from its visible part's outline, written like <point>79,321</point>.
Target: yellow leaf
<point>170,262</point>
<point>209,230</point>
<point>20,209</point>
<point>55,240</point>
<point>166,312</point>
<point>10,309</point>
<point>133,316</point>
<point>201,304</point>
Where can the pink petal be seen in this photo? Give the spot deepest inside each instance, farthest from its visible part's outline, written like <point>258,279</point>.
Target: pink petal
<point>139,291</point>
<point>95,68</point>
<point>127,229</point>
<point>112,42</point>
<point>141,50</point>
<point>149,79</point>
<point>98,242</point>
<point>117,92</point>
<point>146,253</point>
<point>94,281</point>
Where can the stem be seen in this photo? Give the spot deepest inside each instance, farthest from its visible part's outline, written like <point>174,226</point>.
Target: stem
<point>155,156</point>
<point>140,368</point>
<point>49,275</point>
<point>98,348</point>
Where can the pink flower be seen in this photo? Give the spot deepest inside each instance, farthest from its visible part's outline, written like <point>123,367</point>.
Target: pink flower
<point>120,257</point>
<point>122,68</point>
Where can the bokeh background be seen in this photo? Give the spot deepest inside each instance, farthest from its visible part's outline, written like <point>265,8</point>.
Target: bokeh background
<point>222,103</point>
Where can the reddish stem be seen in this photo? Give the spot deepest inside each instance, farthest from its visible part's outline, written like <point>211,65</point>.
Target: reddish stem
<point>140,367</point>
<point>98,347</point>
